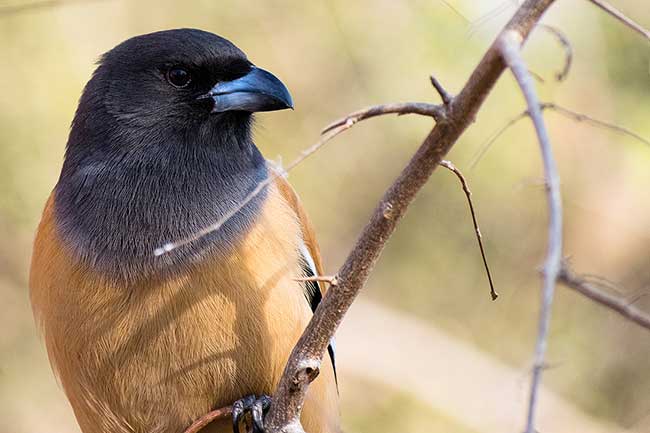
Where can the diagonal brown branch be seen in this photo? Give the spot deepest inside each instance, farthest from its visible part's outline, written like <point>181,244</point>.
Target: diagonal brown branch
<point>511,50</point>
<point>621,306</point>
<point>284,414</point>
<point>479,238</point>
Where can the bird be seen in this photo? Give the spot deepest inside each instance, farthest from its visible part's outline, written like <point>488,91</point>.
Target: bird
<point>160,147</point>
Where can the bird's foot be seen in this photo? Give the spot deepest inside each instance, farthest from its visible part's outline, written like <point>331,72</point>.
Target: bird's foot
<point>257,406</point>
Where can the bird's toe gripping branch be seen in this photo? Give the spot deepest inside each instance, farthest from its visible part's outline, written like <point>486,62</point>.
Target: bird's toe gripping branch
<point>256,406</point>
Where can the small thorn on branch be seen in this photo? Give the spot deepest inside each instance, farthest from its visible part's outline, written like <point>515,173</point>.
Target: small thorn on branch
<point>446,97</point>
<point>332,280</point>
<point>450,166</point>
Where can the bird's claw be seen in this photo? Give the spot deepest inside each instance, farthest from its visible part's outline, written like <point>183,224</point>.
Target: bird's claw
<point>257,406</point>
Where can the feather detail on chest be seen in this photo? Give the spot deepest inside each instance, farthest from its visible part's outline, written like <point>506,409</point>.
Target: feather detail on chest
<point>162,348</point>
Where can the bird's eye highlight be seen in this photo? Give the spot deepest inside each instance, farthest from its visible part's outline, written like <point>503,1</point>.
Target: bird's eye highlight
<point>178,77</point>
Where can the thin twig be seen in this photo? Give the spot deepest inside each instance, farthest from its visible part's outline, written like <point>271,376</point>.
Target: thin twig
<point>510,49</point>
<point>629,22</point>
<point>614,303</point>
<point>484,147</point>
<point>456,11</point>
<point>329,279</point>
<point>304,361</point>
<point>209,417</point>
<point>422,108</point>
<point>477,23</point>
<point>450,166</point>
<point>578,117</point>
<point>536,76</point>
<point>568,50</point>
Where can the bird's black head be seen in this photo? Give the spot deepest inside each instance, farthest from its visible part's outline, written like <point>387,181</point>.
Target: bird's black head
<point>181,78</point>
<point>160,148</point>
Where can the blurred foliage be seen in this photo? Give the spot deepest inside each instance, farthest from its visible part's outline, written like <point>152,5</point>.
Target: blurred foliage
<point>337,56</point>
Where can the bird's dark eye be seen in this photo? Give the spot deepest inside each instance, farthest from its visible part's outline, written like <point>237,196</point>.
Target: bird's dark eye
<point>179,77</point>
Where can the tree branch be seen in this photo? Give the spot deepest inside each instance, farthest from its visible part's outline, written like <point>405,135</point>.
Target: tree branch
<point>510,48</point>
<point>284,414</point>
<point>614,303</point>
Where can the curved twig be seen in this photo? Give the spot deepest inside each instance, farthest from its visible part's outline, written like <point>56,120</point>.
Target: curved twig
<point>568,50</point>
<point>199,424</point>
<point>400,108</point>
<point>510,49</point>
<point>484,147</point>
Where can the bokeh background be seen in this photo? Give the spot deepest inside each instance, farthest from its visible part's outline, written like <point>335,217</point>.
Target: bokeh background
<point>424,350</point>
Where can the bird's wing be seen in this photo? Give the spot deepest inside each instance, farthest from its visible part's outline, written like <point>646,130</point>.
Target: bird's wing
<point>312,261</point>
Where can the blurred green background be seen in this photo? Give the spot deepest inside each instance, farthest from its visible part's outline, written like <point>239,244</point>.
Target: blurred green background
<point>337,56</point>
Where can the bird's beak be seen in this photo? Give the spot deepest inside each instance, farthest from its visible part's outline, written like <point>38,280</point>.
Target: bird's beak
<point>259,90</point>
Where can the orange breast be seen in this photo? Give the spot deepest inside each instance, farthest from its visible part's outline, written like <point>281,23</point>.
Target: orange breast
<point>156,354</point>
